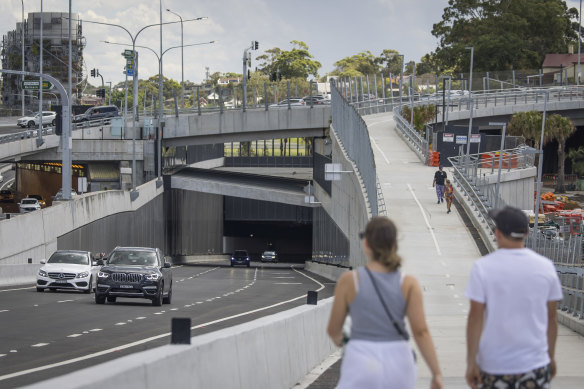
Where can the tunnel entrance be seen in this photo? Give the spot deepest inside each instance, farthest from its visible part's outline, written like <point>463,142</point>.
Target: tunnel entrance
<point>257,226</point>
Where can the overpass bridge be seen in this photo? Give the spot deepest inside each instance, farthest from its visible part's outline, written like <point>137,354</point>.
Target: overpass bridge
<point>440,262</point>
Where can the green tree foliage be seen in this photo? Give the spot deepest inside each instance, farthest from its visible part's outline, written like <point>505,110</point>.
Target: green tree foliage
<point>577,158</point>
<point>557,128</point>
<point>295,63</point>
<point>505,34</point>
<point>358,65</point>
<point>423,114</point>
<point>389,61</point>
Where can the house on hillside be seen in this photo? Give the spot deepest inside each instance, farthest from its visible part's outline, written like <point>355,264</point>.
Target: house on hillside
<point>227,81</point>
<point>563,67</point>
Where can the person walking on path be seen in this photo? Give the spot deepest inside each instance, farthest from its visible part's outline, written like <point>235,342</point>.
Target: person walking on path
<point>379,297</point>
<point>438,182</point>
<point>512,323</point>
<point>448,194</point>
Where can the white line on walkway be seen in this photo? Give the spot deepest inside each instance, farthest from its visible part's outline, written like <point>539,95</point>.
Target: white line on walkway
<point>381,151</point>
<point>426,220</point>
<point>10,290</point>
<point>146,340</point>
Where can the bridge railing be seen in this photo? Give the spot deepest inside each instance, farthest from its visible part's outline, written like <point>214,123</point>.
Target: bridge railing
<point>354,136</point>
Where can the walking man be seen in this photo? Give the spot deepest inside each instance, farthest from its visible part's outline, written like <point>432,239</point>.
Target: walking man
<point>438,182</point>
<point>512,324</point>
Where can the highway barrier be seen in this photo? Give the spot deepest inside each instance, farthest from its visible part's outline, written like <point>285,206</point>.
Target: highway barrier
<point>272,352</point>
<point>19,274</point>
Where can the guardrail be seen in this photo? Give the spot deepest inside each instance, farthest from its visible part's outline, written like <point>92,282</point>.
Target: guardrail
<point>50,130</point>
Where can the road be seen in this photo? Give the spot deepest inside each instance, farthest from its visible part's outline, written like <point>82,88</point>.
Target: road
<point>43,335</point>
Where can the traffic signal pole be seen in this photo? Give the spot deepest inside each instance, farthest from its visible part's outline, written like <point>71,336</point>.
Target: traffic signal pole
<point>254,46</point>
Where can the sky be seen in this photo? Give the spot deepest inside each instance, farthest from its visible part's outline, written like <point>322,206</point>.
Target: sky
<point>333,29</point>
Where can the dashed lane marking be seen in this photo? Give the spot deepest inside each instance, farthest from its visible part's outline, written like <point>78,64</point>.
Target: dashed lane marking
<point>426,220</point>
<point>287,283</point>
<point>141,318</point>
<point>65,301</point>
<point>74,335</point>
<point>5,310</point>
<point>34,345</point>
<point>95,330</point>
<point>11,290</point>
<point>121,324</point>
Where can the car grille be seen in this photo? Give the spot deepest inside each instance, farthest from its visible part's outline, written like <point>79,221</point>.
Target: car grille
<point>126,277</point>
<point>62,276</point>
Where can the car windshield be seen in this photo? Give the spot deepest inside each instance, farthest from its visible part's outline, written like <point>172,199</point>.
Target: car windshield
<point>72,258</point>
<point>134,258</point>
<point>269,253</point>
<point>29,201</point>
<point>240,253</point>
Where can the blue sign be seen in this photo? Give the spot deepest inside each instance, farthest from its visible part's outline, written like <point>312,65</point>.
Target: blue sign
<point>130,72</point>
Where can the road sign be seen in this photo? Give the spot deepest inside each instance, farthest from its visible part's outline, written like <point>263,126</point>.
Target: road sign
<point>34,85</point>
<point>130,72</point>
<point>497,124</point>
<point>128,53</point>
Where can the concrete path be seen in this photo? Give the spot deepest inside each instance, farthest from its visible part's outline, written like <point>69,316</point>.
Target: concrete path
<point>438,250</point>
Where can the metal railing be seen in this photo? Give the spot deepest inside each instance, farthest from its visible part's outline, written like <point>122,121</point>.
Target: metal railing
<point>50,130</point>
<point>354,136</point>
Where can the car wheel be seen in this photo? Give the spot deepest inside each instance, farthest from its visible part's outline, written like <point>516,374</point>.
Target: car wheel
<point>157,301</point>
<point>99,299</point>
<point>54,122</point>
<point>168,298</point>
<point>89,287</point>
<point>30,124</point>
<point>111,299</point>
<point>40,290</point>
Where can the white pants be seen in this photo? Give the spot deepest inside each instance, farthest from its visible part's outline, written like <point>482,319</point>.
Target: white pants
<point>377,365</point>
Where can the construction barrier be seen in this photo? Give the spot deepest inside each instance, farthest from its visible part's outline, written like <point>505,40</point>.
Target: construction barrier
<point>433,158</point>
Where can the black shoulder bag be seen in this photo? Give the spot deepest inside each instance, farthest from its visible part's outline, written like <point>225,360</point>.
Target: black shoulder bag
<point>395,325</point>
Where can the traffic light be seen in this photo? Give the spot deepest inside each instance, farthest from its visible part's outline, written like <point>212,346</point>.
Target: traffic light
<point>59,119</point>
<point>273,76</point>
<point>256,45</point>
<point>93,72</point>
<point>100,92</point>
<point>248,75</point>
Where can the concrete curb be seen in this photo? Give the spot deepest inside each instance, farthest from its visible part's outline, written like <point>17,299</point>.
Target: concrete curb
<point>21,274</point>
<point>571,321</point>
<point>272,352</point>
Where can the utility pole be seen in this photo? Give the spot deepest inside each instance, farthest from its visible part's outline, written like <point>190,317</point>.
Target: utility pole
<point>246,63</point>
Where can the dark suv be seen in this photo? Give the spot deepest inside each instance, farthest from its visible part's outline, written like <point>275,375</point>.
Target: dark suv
<point>240,257</point>
<point>135,272</point>
<point>97,113</point>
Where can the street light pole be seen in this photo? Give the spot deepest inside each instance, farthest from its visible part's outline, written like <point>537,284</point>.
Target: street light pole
<point>182,61</point>
<point>401,76</point>
<point>540,166</point>
<point>471,48</point>
<point>22,47</point>
<point>160,107</point>
<point>40,138</point>
<point>579,41</point>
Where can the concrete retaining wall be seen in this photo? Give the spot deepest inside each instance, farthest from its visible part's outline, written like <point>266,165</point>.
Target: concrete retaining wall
<point>34,235</point>
<point>18,274</point>
<point>327,271</point>
<point>271,352</point>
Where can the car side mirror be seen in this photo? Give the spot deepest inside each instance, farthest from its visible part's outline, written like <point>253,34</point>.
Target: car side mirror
<point>167,265</point>
<point>100,262</point>
<point>43,261</point>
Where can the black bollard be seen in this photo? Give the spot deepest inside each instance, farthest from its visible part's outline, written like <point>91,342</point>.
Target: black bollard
<point>181,330</point>
<point>311,297</point>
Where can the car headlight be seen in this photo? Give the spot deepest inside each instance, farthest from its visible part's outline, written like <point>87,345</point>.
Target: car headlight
<point>263,256</point>
<point>83,274</point>
<point>42,273</point>
<point>102,274</point>
<point>153,276</point>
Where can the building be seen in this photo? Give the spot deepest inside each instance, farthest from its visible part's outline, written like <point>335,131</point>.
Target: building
<point>563,67</point>
<point>55,57</point>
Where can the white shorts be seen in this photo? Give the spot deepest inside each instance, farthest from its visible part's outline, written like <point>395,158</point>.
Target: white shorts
<point>377,365</point>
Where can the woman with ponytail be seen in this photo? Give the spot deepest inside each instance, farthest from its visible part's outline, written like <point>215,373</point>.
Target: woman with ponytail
<point>379,298</point>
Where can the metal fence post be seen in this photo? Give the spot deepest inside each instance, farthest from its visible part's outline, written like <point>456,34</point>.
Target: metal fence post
<point>288,93</point>
<point>266,95</point>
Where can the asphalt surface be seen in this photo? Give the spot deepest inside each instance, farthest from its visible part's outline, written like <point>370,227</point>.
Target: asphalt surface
<point>41,333</point>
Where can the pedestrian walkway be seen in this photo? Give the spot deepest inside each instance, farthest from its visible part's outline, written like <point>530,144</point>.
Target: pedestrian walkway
<point>438,249</point>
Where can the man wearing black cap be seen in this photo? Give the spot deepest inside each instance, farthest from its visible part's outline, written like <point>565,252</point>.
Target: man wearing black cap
<point>438,182</point>
<point>512,323</point>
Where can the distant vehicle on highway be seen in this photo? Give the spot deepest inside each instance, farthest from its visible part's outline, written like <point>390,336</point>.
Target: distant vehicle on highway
<point>68,269</point>
<point>269,256</point>
<point>59,195</point>
<point>28,205</point>
<point>240,257</point>
<point>1,178</point>
<point>6,195</point>
<point>49,117</point>
<point>135,272</point>
<point>294,102</point>
<point>39,198</point>
<point>97,113</point>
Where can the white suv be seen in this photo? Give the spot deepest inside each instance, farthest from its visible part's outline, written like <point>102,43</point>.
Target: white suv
<point>49,117</point>
<point>28,205</point>
<point>68,269</point>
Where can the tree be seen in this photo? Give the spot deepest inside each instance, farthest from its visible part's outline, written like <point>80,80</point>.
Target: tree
<point>295,63</point>
<point>358,65</point>
<point>577,157</point>
<point>505,34</point>
<point>557,128</point>
<point>389,61</point>
<point>422,114</point>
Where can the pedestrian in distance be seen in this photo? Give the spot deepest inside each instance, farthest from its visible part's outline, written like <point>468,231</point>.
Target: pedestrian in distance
<point>513,345</point>
<point>448,194</point>
<point>438,182</point>
<point>379,298</point>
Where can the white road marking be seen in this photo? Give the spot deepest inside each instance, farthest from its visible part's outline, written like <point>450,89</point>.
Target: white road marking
<point>174,309</point>
<point>10,290</point>
<point>74,335</point>
<point>2,355</point>
<point>381,151</point>
<point>15,351</point>
<point>34,345</point>
<point>5,310</point>
<point>283,277</point>
<point>140,318</point>
<point>199,302</point>
<point>95,330</point>
<point>158,313</point>
<point>146,340</point>
<point>209,300</point>
<point>65,301</point>
<point>129,320</point>
<point>121,324</point>
<point>426,220</point>
<point>86,332</point>
<point>447,275</point>
<point>287,283</point>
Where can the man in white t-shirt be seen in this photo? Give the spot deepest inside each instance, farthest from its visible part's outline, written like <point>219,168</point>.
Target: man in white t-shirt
<point>512,324</point>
